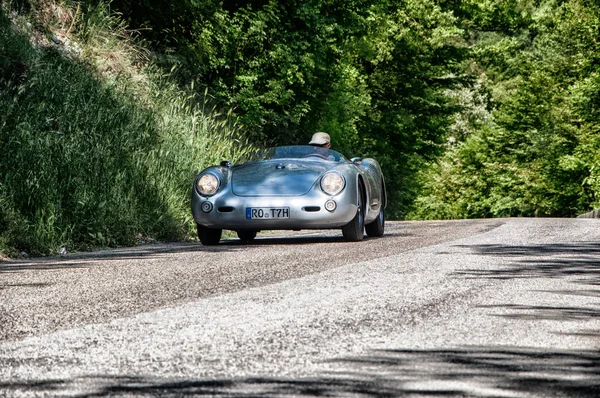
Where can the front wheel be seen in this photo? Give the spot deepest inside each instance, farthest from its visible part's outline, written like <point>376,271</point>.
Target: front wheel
<point>246,235</point>
<point>354,230</point>
<point>209,236</point>
<point>375,229</point>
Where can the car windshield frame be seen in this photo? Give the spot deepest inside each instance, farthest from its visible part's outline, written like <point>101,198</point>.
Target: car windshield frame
<point>304,152</point>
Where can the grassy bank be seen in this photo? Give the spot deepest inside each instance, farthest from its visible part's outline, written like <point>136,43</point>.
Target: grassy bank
<point>97,148</point>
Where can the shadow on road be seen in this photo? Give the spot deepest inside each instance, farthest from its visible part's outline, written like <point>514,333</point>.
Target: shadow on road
<point>465,372</point>
<point>82,260</point>
<point>538,250</point>
<point>543,261</point>
<point>460,372</point>
<point>577,263</point>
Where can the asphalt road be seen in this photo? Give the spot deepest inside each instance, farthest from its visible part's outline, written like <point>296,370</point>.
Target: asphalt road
<point>484,308</point>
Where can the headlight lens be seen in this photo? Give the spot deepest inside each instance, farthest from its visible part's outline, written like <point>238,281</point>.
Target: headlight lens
<point>332,183</point>
<point>208,184</point>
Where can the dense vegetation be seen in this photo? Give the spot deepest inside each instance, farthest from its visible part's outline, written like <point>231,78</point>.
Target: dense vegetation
<point>95,150</point>
<point>475,108</point>
<point>528,142</point>
<point>371,73</point>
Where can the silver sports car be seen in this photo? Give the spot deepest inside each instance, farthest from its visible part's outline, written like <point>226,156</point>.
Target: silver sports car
<point>291,188</point>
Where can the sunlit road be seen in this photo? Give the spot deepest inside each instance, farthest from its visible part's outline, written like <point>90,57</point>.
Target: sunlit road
<point>484,308</point>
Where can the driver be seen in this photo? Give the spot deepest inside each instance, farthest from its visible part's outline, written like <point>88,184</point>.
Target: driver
<point>321,140</point>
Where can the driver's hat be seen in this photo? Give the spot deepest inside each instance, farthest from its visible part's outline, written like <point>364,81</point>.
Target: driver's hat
<point>320,138</point>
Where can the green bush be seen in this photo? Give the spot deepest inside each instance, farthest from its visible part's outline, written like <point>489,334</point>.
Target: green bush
<point>93,158</point>
<point>536,152</point>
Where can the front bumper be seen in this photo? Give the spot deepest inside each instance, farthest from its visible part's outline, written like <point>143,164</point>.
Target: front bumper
<point>228,211</point>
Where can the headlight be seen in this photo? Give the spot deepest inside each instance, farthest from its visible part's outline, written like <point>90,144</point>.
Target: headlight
<point>332,183</point>
<point>208,184</point>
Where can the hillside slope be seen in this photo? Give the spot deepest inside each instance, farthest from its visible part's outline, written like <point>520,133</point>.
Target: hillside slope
<point>98,147</point>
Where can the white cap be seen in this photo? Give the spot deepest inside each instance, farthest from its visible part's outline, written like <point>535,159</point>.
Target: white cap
<point>320,139</point>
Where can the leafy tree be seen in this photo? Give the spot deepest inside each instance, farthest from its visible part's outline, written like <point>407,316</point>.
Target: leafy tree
<point>537,154</point>
<point>374,74</point>
<point>405,81</point>
<point>415,59</point>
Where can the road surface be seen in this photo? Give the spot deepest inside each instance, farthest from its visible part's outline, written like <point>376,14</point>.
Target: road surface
<point>482,308</point>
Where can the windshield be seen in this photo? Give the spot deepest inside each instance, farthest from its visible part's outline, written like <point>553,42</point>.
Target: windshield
<point>308,152</point>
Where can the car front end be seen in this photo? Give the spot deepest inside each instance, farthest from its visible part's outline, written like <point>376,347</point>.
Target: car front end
<point>275,195</point>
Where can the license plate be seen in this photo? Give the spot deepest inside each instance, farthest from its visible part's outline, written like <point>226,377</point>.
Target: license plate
<point>267,213</point>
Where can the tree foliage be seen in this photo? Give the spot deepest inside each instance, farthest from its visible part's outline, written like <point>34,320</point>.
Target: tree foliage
<point>537,154</point>
<point>373,74</point>
<point>474,108</point>
<point>498,96</point>
<point>95,153</point>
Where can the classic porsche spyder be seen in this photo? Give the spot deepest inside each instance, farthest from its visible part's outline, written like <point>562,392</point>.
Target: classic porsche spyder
<point>290,188</point>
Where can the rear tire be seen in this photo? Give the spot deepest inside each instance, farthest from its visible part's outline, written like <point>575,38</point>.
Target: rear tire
<point>354,231</point>
<point>376,228</point>
<point>246,235</point>
<point>209,236</point>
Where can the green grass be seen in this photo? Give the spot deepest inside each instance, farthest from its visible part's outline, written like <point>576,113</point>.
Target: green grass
<point>94,151</point>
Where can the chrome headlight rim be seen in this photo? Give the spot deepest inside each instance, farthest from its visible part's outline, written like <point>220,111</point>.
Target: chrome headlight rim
<point>208,184</point>
<point>332,183</point>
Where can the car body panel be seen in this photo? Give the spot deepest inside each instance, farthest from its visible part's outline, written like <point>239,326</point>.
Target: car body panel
<point>287,179</point>
<point>276,177</point>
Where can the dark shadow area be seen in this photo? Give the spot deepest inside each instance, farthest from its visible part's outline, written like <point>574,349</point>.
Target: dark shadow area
<point>553,261</point>
<point>549,313</point>
<point>463,372</point>
<point>307,240</point>
<point>31,285</point>
<point>46,266</point>
<point>586,293</point>
<point>537,250</point>
<point>82,260</point>
<point>70,261</point>
<point>546,268</point>
<point>578,263</point>
<point>282,240</point>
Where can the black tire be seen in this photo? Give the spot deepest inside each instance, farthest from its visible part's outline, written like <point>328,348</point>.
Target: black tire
<point>376,228</point>
<point>354,231</point>
<point>209,236</point>
<point>246,235</point>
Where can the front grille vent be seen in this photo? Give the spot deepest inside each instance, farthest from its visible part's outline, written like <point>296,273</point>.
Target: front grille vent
<point>311,208</point>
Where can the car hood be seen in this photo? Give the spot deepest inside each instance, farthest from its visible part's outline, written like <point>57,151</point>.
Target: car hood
<point>269,178</point>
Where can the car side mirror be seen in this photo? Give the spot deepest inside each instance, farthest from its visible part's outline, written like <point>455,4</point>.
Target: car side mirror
<point>226,163</point>
<point>357,160</point>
